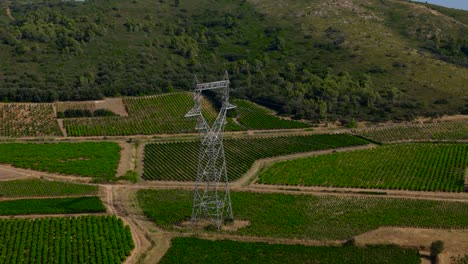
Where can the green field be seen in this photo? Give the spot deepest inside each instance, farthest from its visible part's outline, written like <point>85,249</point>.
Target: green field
<point>435,131</point>
<point>178,160</point>
<point>41,187</point>
<point>253,116</point>
<point>307,216</point>
<point>87,239</point>
<point>417,166</point>
<point>164,114</point>
<point>71,205</point>
<point>194,250</point>
<point>90,159</point>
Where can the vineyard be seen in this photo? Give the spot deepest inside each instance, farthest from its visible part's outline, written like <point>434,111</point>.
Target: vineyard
<point>310,217</point>
<point>84,105</point>
<point>72,205</point>
<point>434,131</point>
<point>177,161</point>
<point>40,187</point>
<point>161,114</point>
<point>91,159</point>
<point>417,166</point>
<point>88,239</point>
<point>28,120</point>
<point>252,116</point>
<point>193,250</point>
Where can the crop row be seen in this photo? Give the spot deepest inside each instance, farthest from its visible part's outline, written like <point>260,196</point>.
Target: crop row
<point>91,159</point>
<point>309,216</point>
<point>434,131</point>
<point>416,166</point>
<point>161,114</point>
<point>42,187</point>
<point>252,116</point>
<point>194,250</point>
<point>73,240</point>
<point>28,120</point>
<point>177,161</point>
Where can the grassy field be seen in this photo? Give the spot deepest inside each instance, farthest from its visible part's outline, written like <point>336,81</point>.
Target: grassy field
<point>418,166</point>
<point>178,161</point>
<point>88,239</point>
<point>90,159</point>
<point>193,250</point>
<point>310,217</point>
<point>40,187</point>
<point>72,205</point>
<point>28,120</point>
<point>435,131</point>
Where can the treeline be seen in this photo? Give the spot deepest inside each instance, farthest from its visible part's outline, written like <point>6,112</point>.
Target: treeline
<point>89,50</point>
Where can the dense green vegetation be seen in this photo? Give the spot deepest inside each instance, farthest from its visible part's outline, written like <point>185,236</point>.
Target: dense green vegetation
<point>322,60</point>
<point>87,239</point>
<point>252,116</point>
<point>71,205</point>
<point>28,120</point>
<point>435,131</point>
<point>90,159</point>
<point>194,250</point>
<point>40,187</point>
<point>161,159</point>
<point>310,217</point>
<point>419,167</point>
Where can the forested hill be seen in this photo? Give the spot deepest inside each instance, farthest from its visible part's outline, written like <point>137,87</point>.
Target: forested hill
<point>316,59</point>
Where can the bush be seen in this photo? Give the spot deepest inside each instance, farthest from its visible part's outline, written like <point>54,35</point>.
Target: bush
<point>436,248</point>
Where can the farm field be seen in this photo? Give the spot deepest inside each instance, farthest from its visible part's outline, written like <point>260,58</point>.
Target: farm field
<point>253,116</point>
<point>87,239</point>
<point>90,159</point>
<point>177,161</point>
<point>193,250</point>
<point>435,131</point>
<point>72,205</point>
<point>307,216</point>
<point>415,166</point>
<point>164,114</point>
<point>41,187</point>
<point>28,120</point>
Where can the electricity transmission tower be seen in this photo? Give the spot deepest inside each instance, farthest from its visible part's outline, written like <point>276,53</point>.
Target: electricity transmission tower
<point>209,202</point>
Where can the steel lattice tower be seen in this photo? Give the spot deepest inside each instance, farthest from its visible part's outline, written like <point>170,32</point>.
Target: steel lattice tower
<point>208,202</point>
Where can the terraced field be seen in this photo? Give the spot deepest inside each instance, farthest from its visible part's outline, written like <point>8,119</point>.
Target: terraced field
<point>418,166</point>
<point>87,239</point>
<point>435,131</point>
<point>193,250</point>
<point>177,161</point>
<point>307,216</point>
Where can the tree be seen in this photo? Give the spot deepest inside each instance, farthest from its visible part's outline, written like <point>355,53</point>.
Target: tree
<point>436,248</point>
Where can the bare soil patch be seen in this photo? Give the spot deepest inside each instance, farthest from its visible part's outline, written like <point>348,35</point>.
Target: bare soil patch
<point>126,162</point>
<point>115,105</point>
<point>203,224</point>
<point>456,241</point>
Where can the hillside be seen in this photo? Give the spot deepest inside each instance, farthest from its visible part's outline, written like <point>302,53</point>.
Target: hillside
<point>369,59</point>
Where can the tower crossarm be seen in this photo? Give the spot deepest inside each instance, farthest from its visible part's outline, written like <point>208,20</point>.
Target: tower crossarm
<point>212,85</point>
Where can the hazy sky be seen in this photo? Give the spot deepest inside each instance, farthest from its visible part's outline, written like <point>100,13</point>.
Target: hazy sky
<point>460,4</point>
